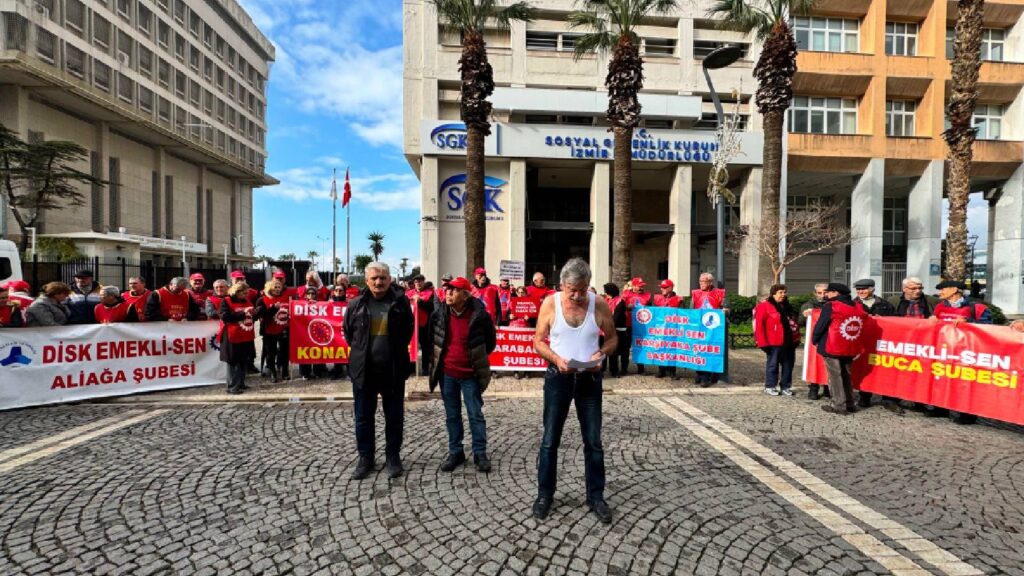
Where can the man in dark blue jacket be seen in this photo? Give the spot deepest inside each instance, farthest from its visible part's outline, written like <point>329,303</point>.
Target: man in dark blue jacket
<point>837,336</point>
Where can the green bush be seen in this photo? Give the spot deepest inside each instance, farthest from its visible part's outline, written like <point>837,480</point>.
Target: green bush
<point>997,314</point>
<point>741,308</point>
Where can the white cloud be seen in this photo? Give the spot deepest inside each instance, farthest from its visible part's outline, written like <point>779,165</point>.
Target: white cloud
<point>379,193</point>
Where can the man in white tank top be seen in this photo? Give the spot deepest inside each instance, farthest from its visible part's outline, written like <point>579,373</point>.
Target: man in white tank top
<point>568,331</point>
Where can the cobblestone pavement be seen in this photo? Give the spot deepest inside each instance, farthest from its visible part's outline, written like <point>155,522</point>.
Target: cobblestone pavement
<point>265,489</point>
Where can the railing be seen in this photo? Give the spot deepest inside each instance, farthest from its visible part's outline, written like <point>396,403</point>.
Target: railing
<point>893,274</point>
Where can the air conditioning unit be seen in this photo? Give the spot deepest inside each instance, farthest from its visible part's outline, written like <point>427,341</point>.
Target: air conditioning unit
<point>123,59</point>
<point>43,10</point>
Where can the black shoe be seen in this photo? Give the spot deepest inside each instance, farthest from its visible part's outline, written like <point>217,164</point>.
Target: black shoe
<point>894,408</point>
<point>864,402</point>
<point>394,465</point>
<point>852,409</point>
<point>933,412</point>
<point>601,510</point>
<point>235,390</point>
<point>273,376</point>
<point>813,393</point>
<point>833,410</point>
<point>286,375</point>
<point>244,386</point>
<point>483,463</point>
<point>706,384</point>
<point>453,461</point>
<point>541,507</point>
<point>252,369</point>
<point>363,468</point>
<point>964,419</point>
<point>639,369</point>
<point>825,392</point>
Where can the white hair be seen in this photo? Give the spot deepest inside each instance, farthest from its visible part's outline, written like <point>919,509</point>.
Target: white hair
<point>575,271</point>
<point>110,291</point>
<point>821,285</point>
<point>378,266</point>
<point>177,281</point>
<point>912,280</point>
<point>707,275</point>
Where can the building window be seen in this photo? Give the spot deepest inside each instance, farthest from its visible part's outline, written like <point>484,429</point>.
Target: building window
<point>194,93</point>
<point>46,44</point>
<point>179,11</point>
<point>74,61</point>
<point>659,47</point>
<point>827,34</point>
<point>180,83</point>
<point>75,17</point>
<point>208,35</point>
<point>163,36</point>
<point>894,222</point>
<point>823,115</point>
<point>193,24</point>
<point>145,20</point>
<point>988,120</point>
<point>992,41</point>
<point>899,117</point>
<point>701,48</point>
<point>208,68</point>
<point>164,76</point>
<point>100,32</point>
<point>179,47</point>
<point>535,40</point>
<point>101,76</point>
<point>220,47</point>
<point>709,121</point>
<point>901,39</point>
<point>556,119</point>
<point>193,58</point>
<point>145,61</point>
<point>164,113</point>
<point>145,99</point>
<point>124,48</point>
<point>124,9</point>
<point>125,88</point>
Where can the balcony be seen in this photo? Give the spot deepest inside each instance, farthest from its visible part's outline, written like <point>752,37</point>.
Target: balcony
<point>833,73</point>
<point>842,153</point>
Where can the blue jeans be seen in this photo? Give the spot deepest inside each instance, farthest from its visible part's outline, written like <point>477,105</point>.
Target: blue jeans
<point>560,390</point>
<point>779,366</point>
<point>470,392</point>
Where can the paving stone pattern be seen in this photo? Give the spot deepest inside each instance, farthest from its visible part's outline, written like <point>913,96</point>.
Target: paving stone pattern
<point>250,489</point>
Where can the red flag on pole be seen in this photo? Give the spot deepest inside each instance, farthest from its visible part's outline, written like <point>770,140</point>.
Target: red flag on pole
<point>348,191</point>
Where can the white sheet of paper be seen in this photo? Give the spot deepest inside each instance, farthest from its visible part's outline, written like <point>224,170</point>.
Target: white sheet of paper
<point>583,364</point>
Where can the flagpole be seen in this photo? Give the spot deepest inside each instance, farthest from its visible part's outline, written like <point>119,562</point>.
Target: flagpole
<point>348,225</point>
<point>334,224</point>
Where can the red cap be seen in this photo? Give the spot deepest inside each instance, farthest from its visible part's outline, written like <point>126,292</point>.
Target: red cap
<point>237,274</point>
<point>667,284</point>
<point>479,271</point>
<point>460,283</point>
<point>197,276</point>
<point>638,281</point>
<point>279,274</point>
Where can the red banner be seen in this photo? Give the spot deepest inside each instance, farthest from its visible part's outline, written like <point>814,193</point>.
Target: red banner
<point>314,333</point>
<point>969,368</point>
<point>525,307</point>
<point>515,351</point>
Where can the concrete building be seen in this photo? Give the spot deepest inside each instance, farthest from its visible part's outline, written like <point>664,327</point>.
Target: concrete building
<point>168,97</point>
<point>865,131</point>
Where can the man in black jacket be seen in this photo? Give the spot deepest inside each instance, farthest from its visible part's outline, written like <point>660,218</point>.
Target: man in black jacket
<point>378,328</point>
<point>874,306</point>
<point>836,336</point>
<point>462,333</point>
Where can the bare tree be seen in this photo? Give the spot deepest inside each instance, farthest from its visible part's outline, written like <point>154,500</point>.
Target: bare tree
<point>817,227</point>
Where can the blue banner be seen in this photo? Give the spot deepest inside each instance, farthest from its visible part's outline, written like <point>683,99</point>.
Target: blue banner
<point>693,339</point>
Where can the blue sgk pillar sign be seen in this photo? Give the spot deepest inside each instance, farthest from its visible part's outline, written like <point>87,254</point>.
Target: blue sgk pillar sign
<point>693,339</point>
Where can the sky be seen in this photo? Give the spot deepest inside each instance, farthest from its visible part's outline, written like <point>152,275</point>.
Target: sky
<point>335,101</point>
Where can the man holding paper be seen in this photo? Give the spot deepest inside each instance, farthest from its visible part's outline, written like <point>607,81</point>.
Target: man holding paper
<point>567,336</point>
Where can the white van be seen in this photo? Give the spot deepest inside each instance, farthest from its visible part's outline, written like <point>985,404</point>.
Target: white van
<point>10,262</point>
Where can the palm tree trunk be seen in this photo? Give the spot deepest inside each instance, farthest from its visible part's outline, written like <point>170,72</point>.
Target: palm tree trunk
<point>622,237</point>
<point>770,190</point>
<point>473,207</point>
<point>960,136</point>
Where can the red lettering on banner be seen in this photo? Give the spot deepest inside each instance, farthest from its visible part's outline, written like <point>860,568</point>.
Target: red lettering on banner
<point>514,351</point>
<point>315,333</point>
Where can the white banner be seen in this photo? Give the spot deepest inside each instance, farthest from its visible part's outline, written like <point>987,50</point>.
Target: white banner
<point>70,363</point>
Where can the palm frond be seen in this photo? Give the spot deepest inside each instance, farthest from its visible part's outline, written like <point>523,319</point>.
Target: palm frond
<point>745,16</point>
<point>801,7</point>
<point>518,12</point>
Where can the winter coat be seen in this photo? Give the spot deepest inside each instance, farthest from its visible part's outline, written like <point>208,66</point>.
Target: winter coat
<point>900,305</point>
<point>82,304</point>
<point>482,341</point>
<point>770,326</point>
<point>47,312</point>
<point>400,331</point>
<point>233,352</point>
<point>879,308</point>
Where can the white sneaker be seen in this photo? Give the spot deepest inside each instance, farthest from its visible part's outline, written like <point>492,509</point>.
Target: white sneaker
<point>787,392</point>
<point>771,391</point>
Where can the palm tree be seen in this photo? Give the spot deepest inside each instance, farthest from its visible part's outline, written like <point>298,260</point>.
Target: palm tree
<point>469,18</point>
<point>961,133</point>
<point>376,244</point>
<point>774,71</point>
<point>361,262</point>
<point>613,25</point>
<point>312,255</point>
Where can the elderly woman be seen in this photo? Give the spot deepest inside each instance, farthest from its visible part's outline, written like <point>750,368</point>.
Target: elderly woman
<point>50,308</point>
<point>777,333</point>
<point>10,310</point>
<point>237,339</point>
<point>114,308</point>
<point>220,292</point>
<point>272,311</point>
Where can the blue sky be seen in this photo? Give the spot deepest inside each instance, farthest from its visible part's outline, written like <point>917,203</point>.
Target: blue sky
<point>335,100</point>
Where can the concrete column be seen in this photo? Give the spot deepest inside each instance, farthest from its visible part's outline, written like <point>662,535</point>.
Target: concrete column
<point>1006,247</point>
<point>518,37</point>
<point>680,216</point>
<point>750,215</point>
<point>600,215</point>
<point>160,167</point>
<point>517,210</point>
<point>924,230</point>
<point>684,45</point>
<point>866,224</point>
<point>201,206</point>
<point>102,145</point>
<point>429,257</point>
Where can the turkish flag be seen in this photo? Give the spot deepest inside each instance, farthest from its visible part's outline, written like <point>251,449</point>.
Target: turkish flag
<point>348,191</point>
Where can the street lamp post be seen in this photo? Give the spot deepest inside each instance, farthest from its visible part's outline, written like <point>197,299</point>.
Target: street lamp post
<point>323,250</point>
<point>719,58</point>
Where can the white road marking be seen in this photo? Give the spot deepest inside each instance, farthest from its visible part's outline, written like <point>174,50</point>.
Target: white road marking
<point>731,443</point>
<point>71,433</point>
<point>49,448</point>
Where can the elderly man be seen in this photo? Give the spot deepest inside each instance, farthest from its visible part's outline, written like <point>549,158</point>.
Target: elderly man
<point>487,293</point>
<point>837,336</point>
<point>171,303</point>
<point>912,301</point>
<point>197,291</point>
<point>568,333</point>
<point>113,309</point>
<point>707,296</point>
<point>313,281</point>
<point>462,333</point>
<point>85,295</point>
<point>954,306</point>
<point>814,303</point>
<point>138,295</point>
<point>874,306</point>
<point>423,298</point>
<point>213,302</point>
<point>342,281</point>
<point>10,309</point>
<point>378,327</point>
<point>539,288</point>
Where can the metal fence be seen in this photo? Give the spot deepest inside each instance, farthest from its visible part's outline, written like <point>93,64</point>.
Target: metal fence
<point>117,272</point>
<point>893,274</point>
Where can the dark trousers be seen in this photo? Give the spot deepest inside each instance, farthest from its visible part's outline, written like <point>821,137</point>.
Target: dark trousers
<point>618,361</point>
<point>865,399</point>
<point>560,390</point>
<point>667,371</point>
<point>393,399</point>
<point>426,350</point>
<point>454,391</point>
<point>778,369</point>
<point>839,383</point>
<point>236,374</point>
<point>707,377</point>
<point>312,370</point>
<point>275,348</point>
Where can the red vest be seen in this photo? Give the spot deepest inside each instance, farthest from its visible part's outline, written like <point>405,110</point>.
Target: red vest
<point>947,313</point>
<point>425,295</point>
<point>173,306</point>
<point>538,293</point>
<point>118,313</point>
<point>672,301</point>
<point>636,299</point>
<point>488,295</point>
<point>505,297</point>
<point>714,298</point>
<point>244,330</point>
<point>200,300</point>
<point>216,300</point>
<point>6,313</point>
<point>279,323</point>
<point>845,330</point>
<point>138,301</point>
